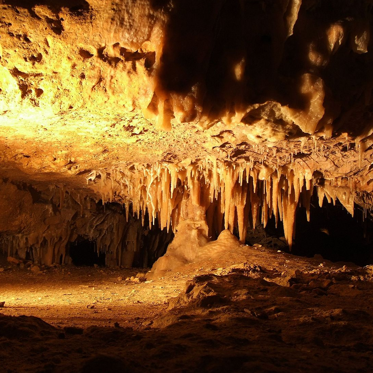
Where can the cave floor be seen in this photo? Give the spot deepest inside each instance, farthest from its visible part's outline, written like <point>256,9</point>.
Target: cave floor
<point>272,312</point>
<point>84,296</point>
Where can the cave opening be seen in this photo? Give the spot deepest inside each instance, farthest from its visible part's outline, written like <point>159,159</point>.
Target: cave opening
<point>140,244</point>
<point>332,233</point>
<point>83,252</point>
<point>154,244</point>
<point>335,234</point>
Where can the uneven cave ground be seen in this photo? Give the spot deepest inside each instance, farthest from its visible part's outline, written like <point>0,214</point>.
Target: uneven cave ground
<point>236,308</point>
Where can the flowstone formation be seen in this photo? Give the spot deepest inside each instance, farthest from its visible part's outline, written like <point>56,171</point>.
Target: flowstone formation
<point>190,116</point>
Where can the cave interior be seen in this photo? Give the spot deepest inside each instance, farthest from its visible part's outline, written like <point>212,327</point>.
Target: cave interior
<point>218,151</point>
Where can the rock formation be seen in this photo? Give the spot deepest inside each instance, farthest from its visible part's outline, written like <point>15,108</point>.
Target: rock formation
<point>209,115</point>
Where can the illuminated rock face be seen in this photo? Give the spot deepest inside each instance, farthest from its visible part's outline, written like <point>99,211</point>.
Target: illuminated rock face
<point>263,102</point>
<point>283,67</point>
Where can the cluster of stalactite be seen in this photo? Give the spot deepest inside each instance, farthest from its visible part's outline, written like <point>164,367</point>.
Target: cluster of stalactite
<point>233,195</point>
<point>132,199</point>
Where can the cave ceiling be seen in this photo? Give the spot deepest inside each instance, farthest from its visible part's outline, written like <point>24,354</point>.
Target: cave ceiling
<point>141,102</point>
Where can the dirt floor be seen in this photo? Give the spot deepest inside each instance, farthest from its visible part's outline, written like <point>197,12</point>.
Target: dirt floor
<point>251,310</point>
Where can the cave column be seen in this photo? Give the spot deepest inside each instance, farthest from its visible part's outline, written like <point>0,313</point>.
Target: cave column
<point>191,233</point>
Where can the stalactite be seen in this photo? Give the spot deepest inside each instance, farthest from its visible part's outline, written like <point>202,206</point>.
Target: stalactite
<point>234,195</point>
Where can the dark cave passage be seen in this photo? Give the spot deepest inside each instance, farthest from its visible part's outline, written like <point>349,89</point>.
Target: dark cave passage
<point>154,243</point>
<point>335,234</point>
<point>332,233</point>
<point>83,252</point>
<point>140,246</point>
